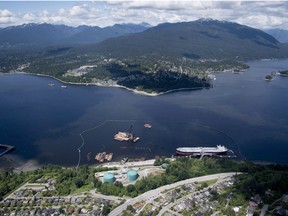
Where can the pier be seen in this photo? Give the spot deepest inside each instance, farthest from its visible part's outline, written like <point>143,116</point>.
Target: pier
<point>8,149</point>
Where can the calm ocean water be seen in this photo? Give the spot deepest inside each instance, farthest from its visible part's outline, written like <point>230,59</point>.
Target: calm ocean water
<point>241,111</point>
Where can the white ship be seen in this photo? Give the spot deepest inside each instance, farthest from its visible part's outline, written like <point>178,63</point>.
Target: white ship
<point>202,150</point>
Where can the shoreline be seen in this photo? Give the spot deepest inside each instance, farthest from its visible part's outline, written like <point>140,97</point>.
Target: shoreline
<point>18,164</point>
<point>135,91</point>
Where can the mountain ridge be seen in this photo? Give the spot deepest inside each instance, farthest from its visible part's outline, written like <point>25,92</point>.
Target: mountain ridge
<point>45,34</point>
<point>159,59</point>
<point>196,39</point>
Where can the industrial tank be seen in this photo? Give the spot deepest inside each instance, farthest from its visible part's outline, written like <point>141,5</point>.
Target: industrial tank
<point>109,178</point>
<point>132,175</point>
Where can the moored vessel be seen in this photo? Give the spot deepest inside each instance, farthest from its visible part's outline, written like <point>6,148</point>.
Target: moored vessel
<point>100,157</point>
<point>147,125</point>
<point>195,151</point>
<point>109,156</point>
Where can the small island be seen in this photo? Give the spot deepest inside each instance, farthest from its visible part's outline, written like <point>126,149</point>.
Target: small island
<point>268,78</point>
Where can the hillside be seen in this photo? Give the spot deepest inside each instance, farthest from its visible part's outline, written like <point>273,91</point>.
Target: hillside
<point>280,34</point>
<point>34,34</point>
<point>161,58</point>
<point>48,34</point>
<point>201,39</point>
<point>96,34</point>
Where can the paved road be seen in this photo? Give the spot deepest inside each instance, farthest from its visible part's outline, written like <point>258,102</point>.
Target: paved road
<point>167,207</point>
<point>149,195</point>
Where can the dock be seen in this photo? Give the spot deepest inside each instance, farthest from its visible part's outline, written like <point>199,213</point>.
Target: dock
<point>8,149</point>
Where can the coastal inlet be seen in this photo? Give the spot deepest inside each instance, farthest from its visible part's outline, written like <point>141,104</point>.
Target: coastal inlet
<point>138,140</point>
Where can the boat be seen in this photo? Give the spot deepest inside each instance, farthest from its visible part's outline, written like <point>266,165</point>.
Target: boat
<point>100,157</point>
<point>63,86</point>
<point>109,156</point>
<point>135,139</point>
<point>194,151</point>
<point>51,84</point>
<point>147,125</point>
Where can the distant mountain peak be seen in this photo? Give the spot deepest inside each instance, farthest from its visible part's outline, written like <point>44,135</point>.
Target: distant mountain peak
<point>144,24</point>
<point>210,20</point>
<point>28,25</point>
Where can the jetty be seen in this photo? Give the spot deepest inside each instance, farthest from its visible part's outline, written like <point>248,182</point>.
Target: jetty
<point>7,147</point>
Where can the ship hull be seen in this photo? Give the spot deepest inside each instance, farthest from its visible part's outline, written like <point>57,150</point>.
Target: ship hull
<point>198,151</point>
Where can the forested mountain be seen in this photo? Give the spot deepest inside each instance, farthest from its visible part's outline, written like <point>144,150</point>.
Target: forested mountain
<point>201,39</point>
<point>47,34</point>
<point>96,34</point>
<point>158,59</point>
<point>35,34</point>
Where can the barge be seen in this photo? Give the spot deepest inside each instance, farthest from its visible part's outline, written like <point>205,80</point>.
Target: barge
<point>126,136</point>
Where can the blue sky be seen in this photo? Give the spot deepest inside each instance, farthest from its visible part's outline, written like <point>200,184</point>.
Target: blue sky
<point>258,14</point>
<point>34,6</point>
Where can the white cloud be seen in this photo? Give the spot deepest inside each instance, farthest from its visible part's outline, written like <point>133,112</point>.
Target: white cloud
<point>6,17</point>
<point>78,10</point>
<point>258,14</point>
<point>262,20</point>
<point>29,17</point>
<point>5,13</point>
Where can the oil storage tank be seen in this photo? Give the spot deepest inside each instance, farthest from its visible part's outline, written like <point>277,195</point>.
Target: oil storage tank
<point>109,178</point>
<point>132,175</point>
